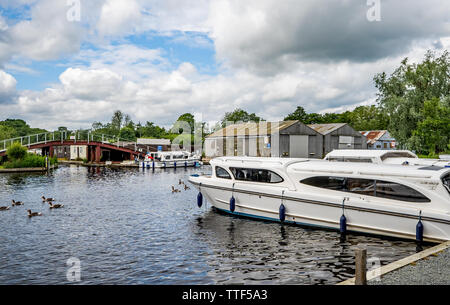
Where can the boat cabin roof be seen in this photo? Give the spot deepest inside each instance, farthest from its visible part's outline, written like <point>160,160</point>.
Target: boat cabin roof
<point>377,171</point>
<point>267,162</point>
<point>367,153</point>
<point>166,153</point>
<point>318,166</point>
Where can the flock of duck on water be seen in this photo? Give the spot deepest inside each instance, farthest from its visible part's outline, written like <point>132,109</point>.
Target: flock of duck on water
<point>174,190</point>
<point>57,205</point>
<point>30,213</point>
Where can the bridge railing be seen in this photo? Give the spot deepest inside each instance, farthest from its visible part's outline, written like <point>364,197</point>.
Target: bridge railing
<point>86,135</point>
<point>34,139</point>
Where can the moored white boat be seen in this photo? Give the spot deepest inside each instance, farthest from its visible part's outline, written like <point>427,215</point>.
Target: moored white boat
<point>170,159</point>
<point>383,157</point>
<point>383,199</point>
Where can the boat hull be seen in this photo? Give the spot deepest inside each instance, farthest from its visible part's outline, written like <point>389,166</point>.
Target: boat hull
<point>170,164</point>
<point>309,210</point>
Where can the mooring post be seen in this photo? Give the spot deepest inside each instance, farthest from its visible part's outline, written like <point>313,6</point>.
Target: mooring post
<point>360,266</point>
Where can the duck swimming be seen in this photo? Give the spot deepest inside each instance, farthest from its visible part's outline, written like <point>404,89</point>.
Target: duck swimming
<point>31,214</point>
<point>14,203</point>
<point>174,190</point>
<point>47,199</point>
<point>4,208</point>
<point>55,206</point>
<point>186,187</point>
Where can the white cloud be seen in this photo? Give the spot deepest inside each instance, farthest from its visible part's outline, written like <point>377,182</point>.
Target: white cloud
<point>90,84</point>
<point>273,57</point>
<point>3,24</point>
<point>267,36</point>
<point>118,17</point>
<point>47,35</point>
<point>7,87</point>
<point>130,61</point>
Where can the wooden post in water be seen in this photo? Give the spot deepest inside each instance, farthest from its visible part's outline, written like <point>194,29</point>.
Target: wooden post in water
<point>360,266</point>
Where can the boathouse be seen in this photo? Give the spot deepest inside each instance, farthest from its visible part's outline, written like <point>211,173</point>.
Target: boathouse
<point>265,139</point>
<point>339,136</point>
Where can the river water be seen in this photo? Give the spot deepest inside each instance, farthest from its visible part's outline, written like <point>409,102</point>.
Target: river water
<point>125,226</point>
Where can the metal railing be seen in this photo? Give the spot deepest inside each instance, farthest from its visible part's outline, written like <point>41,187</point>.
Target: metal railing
<point>86,135</point>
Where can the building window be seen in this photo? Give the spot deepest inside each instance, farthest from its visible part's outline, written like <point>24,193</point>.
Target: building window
<point>222,173</point>
<point>385,145</point>
<point>256,175</point>
<point>368,187</point>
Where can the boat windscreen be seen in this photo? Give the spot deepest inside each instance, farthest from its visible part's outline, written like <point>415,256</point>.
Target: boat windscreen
<point>397,154</point>
<point>446,182</point>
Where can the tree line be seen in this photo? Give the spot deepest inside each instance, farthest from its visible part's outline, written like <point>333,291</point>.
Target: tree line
<point>413,103</point>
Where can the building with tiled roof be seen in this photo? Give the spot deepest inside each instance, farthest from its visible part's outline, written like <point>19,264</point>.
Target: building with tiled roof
<point>379,139</point>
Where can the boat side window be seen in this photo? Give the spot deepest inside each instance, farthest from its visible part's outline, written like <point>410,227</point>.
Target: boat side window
<point>396,191</point>
<point>256,175</point>
<point>361,186</point>
<point>368,187</point>
<point>222,173</point>
<point>331,183</point>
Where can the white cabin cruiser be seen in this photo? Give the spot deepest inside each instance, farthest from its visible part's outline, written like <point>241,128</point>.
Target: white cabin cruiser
<point>382,157</point>
<point>383,199</point>
<point>167,159</point>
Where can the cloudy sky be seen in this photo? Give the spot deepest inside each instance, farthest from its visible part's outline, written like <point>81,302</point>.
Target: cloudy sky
<point>72,62</point>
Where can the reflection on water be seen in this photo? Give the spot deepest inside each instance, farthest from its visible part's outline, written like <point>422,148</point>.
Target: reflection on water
<point>127,227</point>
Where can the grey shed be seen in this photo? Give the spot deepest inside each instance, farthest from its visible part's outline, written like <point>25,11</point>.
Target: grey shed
<point>265,139</point>
<point>339,136</point>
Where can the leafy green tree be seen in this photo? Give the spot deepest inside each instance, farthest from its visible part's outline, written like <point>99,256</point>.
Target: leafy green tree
<point>20,127</point>
<point>150,130</point>
<point>7,132</point>
<point>433,131</point>
<point>116,120</point>
<point>239,115</point>
<point>315,118</point>
<point>403,94</point>
<point>128,122</point>
<point>138,131</point>
<point>127,133</point>
<point>367,118</point>
<point>16,152</point>
<point>188,118</point>
<point>97,126</point>
<point>299,114</point>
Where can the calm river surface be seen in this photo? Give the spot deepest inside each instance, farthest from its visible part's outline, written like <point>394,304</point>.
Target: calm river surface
<point>126,227</point>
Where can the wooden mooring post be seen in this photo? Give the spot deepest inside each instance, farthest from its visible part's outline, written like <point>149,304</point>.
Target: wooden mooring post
<point>360,266</point>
